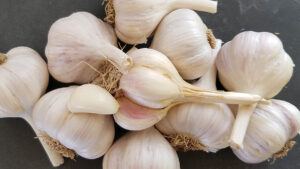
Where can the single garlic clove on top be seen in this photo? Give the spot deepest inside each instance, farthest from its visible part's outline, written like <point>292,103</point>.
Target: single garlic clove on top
<point>185,39</point>
<point>92,99</point>
<point>146,149</point>
<point>256,63</point>
<point>89,135</point>
<point>269,132</point>
<point>135,20</point>
<point>79,43</point>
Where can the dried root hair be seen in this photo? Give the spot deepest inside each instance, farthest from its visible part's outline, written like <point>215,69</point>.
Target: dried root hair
<point>3,58</point>
<point>283,152</point>
<point>211,38</point>
<point>109,11</point>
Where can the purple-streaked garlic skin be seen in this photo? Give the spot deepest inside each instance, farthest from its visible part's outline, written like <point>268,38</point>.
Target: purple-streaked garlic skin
<point>270,127</point>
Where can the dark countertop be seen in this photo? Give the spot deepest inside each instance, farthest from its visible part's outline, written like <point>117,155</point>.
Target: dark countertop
<point>26,23</point>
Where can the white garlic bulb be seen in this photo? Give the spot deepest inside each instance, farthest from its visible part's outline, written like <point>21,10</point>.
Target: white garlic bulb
<point>24,79</point>
<point>256,63</point>
<point>155,83</point>
<point>146,149</point>
<point>207,124</point>
<point>89,135</point>
<point>270,128</point>
<point>135,20</point>
<point>185,39</point>
<point>79,43</point>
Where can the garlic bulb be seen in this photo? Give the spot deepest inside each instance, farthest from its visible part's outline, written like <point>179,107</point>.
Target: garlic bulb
<point>135,20</point>
<point>79,42</point>
<point>253,63</point>
<point>154,82</point>
<point>185,39</point>
<point>146,149</point>
<point>204,126</point>
<point>24,79</point>
<point>270,128</point>
<point>89,135</point>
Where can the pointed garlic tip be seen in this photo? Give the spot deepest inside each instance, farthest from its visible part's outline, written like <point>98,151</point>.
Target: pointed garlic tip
<point>148,146</point>
<point>132,116</point>
<point>269,131</point>
<point>91,98</point>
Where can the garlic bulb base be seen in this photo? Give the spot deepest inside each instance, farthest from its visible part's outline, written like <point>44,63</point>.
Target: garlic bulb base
<point>109,11</point>
<point>185,142</point>
<point>283,152</point>
<point>211,39</point>
<point>3,58</point>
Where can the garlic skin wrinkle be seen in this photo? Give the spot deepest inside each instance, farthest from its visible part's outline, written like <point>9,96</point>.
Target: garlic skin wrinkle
<point>89,135</point>
<point>146,149</point>
<point>154,82</point>
<point>80,42</point>
<point>270,127</point>
<point>135,20</point>
<point>183,37</point>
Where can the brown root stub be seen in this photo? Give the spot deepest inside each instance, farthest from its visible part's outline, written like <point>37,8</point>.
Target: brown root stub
<point>3,58</point>
<point>185,142</point>
<point>109,11</point>
<point>283,152</point>
<point>56,146</point>
<point>211,38</point>
<point>109,77</point>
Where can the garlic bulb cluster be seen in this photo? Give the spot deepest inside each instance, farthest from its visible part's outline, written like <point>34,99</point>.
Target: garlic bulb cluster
<point>185,39</point>
<point>154,82</point>
<point>135,20</point>
<point>89,135</point>
<point>270,128</point>
<point>253,63</point>
<point>205,126</point>
<point>80,42</point>
<point>146,149</point>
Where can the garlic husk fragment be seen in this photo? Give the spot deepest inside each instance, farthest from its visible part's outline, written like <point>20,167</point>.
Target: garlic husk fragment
<point>24,79</point>
<point>79,43</point>
<point>146,149</point>
<point>154,82</point>
<point>89,135</point>
<point>256,63</point>
<point>135,20</point>
<point>270,128</point>
<point>183,37</point>
<point>92,99</point>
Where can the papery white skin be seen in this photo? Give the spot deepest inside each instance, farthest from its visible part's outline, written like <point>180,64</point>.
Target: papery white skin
<point>146,149</point>
<point>135,20</point>
<point>209,123</point>
<point>155,83</point>
<point>182,37</point>
<point>79,43</point>
<point>270,127</point>
<point>89,135</point>
<point>24,79</point>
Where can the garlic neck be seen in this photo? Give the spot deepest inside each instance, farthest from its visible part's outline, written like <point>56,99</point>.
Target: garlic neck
<point>3,58</point>
<point>198,5</point>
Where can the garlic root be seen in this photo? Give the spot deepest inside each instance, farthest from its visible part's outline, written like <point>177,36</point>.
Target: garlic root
<point>109,11</point>
<point>185,142</point>
<point>283,152</point>
<point>3,58</point>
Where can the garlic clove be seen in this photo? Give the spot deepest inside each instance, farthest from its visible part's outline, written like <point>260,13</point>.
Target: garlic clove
<point>132,116</point>
<point>80,43</point>
<point>148,146</point>
<point>183,37</point>
<point>136,20</point>
<point>92,99</point>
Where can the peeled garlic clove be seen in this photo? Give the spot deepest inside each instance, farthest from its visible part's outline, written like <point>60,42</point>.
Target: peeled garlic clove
<point>79,43</point>
<point>185,39</point>
<point>137,19</point>
<point>92,99</point>
<point>132,116</point>
<point>154,82</point>
<point>270,128</point>
<point>256,63</point>
<point>89,135</point>
<point>146,149</point>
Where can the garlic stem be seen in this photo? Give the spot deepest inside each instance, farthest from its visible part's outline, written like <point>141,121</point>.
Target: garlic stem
<point>3,58</point>
<point>199,5</point>
<point>240,125</point>
<point>55,158</point>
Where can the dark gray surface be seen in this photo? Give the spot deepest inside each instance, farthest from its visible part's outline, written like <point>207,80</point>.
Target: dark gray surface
<point>26,23</point>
